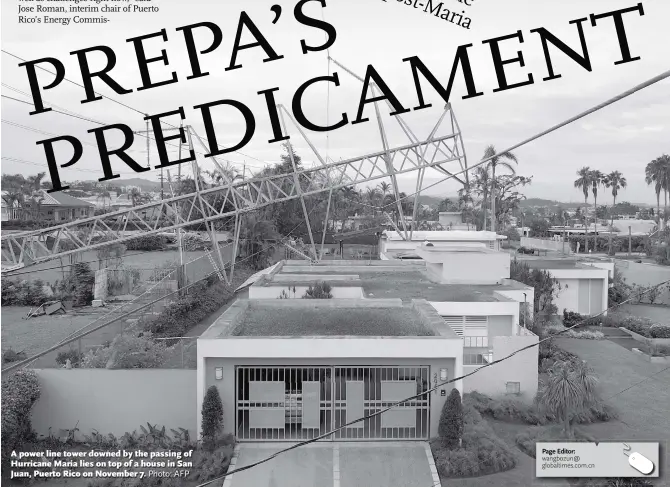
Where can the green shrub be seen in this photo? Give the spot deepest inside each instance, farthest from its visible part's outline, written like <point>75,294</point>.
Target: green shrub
<point>482,451</point>
<point>320,290</point>
<point>209,465</point>
<point>78,285</point>
<point>23,293</point>
<point>659,331</point>
<point>505,409</point>
<point>571,318</point>
<point>147,242</point>
<point>73,355</point>
<point>9,356</point>
<point>212,415</point>
<point>512,410</point>
<point>187,311</point>
<point>450,428</point>
<point>20,390</point>
<point>129,351</point>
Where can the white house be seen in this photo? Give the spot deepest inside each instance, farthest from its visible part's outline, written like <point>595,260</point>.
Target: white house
<point>294,368</point>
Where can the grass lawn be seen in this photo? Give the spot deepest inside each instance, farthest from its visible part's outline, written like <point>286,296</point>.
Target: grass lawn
<point>643,409</point>
<point>657,313</point>
<point>259,321</point>
<point>39,333</point>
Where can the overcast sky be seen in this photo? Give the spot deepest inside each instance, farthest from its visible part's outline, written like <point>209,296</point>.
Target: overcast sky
<point>624,136</point>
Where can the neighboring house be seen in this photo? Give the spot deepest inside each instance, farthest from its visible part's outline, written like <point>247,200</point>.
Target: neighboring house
<point>583,284</point>
<point>391,242</point>
<point>7,212</point>
<point>291,369</point>
<point>56,207</point>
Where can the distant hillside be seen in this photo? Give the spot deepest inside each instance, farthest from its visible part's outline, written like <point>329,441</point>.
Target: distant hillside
<point>548,203</point>
<point>144,184</point>
<point>426,199</point>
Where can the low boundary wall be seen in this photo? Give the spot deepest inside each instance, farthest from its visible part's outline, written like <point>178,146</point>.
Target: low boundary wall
<point>114,401</point>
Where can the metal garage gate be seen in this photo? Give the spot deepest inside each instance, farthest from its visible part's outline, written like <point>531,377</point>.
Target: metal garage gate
<point>298,403</point>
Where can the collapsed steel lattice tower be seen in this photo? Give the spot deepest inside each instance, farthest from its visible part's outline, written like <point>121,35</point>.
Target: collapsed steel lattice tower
<point>442,150</point>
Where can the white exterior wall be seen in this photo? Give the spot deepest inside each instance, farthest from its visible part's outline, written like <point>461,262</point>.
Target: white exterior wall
<point>521,368</point>
<point>451,308</point>
<point>568,297</point>
<point>438,352</point>
<point>470,267</point>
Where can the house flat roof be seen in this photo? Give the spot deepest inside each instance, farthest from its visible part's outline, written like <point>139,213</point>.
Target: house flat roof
<point>404,284</point>
<point>330,321</point>
<point>554,264</point>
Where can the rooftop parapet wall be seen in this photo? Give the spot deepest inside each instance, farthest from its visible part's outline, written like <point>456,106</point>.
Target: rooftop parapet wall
<point>465,266</point>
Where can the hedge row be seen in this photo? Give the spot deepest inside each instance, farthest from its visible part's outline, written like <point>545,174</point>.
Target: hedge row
<point>147,242</point>
<point>642,326</point>
<point>185,313</point>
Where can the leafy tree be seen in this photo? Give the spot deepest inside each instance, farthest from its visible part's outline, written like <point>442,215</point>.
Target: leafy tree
<point>499,160</point>
<point>545,286</point>
<point>539,227</point>
<point>255,234</point>
<point>212,415</point>
<point>567,392</point>
<point>447,205</point>
<point>450,428</point>
<point>508,197</point>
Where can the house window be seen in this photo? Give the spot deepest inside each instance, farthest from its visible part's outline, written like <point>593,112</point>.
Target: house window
<point>468,325</point>
<point>513,388</point>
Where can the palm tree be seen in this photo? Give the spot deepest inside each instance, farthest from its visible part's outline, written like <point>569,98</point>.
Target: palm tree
<point>481,183</point>
<point>371,195</point>
<point>597,179</point>
<point>655,173</point>
<point>583,182</point>
<point>385,188</point>
<point>568,392</point>
<point>663,163</point>
<point>616,181</point>
<point>500,160</point>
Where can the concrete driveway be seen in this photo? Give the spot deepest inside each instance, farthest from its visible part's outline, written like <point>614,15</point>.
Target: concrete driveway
<point>337,464</point>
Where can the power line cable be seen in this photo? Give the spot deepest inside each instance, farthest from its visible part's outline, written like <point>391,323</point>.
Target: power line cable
<point>637,383</point>
<point>43,132</point>
<point>70,340</point>
<point>635,89</point>
<point>82,117</point>
<point>82,86</point>
<point>424,393</point>
<point>143,113</point>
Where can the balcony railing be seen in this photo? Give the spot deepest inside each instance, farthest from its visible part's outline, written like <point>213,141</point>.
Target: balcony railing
<point>477,358</point>
<point>475,342</point>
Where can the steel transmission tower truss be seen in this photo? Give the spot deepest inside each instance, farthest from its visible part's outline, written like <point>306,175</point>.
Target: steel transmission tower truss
<point>234,199</point>
<point>459,149</point>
